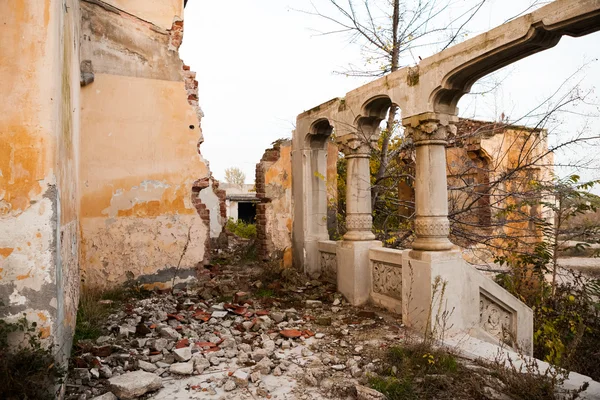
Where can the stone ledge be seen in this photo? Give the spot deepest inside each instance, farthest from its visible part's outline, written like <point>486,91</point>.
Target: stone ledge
<point>388,256</point>
<point>327,246</point>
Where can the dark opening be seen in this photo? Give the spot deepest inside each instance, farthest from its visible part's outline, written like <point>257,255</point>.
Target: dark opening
<point>247,212</point>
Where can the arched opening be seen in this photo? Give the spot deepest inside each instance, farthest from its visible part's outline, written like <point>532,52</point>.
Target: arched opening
<point>390,180</point>
<point>322,179</point>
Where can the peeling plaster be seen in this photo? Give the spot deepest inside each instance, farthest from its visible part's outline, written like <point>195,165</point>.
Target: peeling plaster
<point>124,200</point>
<point>16,299</point>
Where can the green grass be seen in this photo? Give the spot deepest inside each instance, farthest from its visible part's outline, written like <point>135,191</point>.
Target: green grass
<point>393,388</point>
<point>264,293</point>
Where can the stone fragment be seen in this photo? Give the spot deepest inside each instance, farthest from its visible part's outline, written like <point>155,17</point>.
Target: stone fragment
<point>219,314</point>
<point>200,364</point>
<point>229,386</point>
<point>169,333</point>
<point>264,366</point>
<point>132,385</point>
<point>319,335</point>
<point>146,366</point>
<point>259,354</point>
<point>277,371</point>
<point>126,330</point>
<point>241,378</point>
<point>313,303</point>
<point>105,372</point>
<point>365,393</point>
<point>336,302</point>
<point>155,358</point>
<point>255,376</point>
<point>158,344</point>
<point>182,368</point>
<point>278,316</point>
<point>102,351</point>
<point>81,373</point>
<point>103,339</point>
<point>106,396</point>
<point>183,354</point>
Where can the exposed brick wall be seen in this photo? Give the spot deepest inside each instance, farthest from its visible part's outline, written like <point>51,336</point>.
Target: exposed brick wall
<point>262,241</point>
<point>202,210</point>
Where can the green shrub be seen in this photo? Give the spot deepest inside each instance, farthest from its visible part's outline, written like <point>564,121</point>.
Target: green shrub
<point>28,370</point>
<point>566,316</point>
<point>241,228</point>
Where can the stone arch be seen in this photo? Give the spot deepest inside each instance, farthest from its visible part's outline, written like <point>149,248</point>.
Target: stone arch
<point>533,33</point>
<point>310,192</point>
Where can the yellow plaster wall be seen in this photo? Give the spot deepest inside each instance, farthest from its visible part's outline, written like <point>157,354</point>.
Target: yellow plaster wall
<point>509,149</point>
<point>139,161</point>
<point>39,83</point>
<point>159,12</point>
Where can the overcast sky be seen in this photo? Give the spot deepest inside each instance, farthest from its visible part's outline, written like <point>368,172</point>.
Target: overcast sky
<point>260,63</point>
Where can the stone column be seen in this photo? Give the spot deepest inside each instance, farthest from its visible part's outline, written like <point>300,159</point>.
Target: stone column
<point>352,253</point>
<point>429,132</point>
<point>359,220</point>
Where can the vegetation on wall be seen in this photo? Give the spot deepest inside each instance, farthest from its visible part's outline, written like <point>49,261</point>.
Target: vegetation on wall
<point>28,370</point>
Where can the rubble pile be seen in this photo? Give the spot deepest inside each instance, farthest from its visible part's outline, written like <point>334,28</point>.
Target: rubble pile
<point>196,343</point>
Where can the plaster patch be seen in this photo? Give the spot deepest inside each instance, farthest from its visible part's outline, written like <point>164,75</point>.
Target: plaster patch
<point>147,191</point>
<point>16,299</point>
<point>29,266</point>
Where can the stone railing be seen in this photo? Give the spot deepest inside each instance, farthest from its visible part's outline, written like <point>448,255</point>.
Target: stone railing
<point>442,291</point>
<point>328,260</point>
<point>386,278</point>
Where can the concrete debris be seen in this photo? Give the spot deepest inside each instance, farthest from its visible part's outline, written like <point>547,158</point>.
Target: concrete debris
<point>199,346</point>
<point>134,384</point>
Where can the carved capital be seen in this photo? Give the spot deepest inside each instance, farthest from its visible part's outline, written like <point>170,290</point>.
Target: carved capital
<point>430,128</point>
<point>356,145</point>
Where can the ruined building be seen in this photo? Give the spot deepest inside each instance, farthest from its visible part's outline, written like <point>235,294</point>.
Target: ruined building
<point>490,166</point>
<point>100,167</point>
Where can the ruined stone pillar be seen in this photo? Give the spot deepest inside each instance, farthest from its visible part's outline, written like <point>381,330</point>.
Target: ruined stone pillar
<point>429,132</point>
<point>353,271</point>
<point>359,220</point>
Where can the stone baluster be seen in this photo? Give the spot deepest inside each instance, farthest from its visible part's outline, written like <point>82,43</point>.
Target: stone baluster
<point>429,132</point>
<point>359,220</point>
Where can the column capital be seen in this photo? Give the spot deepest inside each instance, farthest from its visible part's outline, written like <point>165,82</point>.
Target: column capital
<point>430,128</point>
<point>355,146</point>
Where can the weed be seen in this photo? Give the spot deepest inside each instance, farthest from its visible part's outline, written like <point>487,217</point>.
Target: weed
<point>92,313</point>
<point>393,388</point>
<point>28,370</point>
<point>96,305</point>
<point>241,228</point>
<point>264,293</point>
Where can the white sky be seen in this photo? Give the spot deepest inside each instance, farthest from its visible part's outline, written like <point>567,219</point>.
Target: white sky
<point>259,63</point>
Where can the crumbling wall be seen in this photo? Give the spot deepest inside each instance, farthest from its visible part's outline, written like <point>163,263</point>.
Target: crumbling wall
<point>39,137</point>
<point>141,169</point>
<point>274,213</point>
<point>498,163</point>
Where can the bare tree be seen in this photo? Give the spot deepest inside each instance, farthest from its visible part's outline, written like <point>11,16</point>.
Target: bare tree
<point>389,33</point>
<point>235,176</point>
